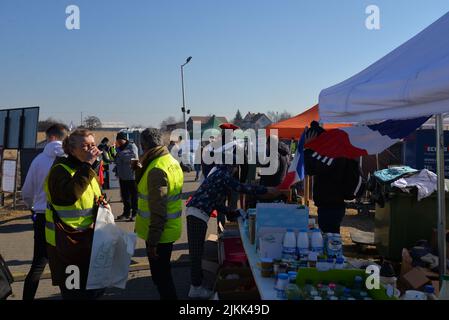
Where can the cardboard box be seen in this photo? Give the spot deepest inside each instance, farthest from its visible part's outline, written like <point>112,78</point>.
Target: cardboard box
<point>429,273</point>
<point>415,279</point>
<point>243,288</point>
<point>270,243</point>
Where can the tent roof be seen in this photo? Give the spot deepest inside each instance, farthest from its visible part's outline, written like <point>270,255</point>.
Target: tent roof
<point>411,81</point>
<point>294,127</point>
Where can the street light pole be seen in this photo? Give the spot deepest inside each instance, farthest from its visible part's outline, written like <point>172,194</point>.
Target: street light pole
<point>184,98</point>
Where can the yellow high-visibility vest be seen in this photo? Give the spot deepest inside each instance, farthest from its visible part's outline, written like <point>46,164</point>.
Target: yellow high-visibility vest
<point>79,215</point>
<point>173,226</point>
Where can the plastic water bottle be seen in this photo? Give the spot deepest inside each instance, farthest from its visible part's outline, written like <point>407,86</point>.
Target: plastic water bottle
<point>444,292</point>
<point>289,245</point>
<point>292,291</point>
<point>302,244</point>
<point>430,292</point>
<point>281,285</point>
<point>358,283</point>
<point>347,294</point>
<point>317,241</point>
<point>330,263</point>
<point>339,263</point>
<point>357,287</point>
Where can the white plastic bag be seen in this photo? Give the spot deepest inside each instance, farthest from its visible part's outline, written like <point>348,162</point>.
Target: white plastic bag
<point>112,250</point>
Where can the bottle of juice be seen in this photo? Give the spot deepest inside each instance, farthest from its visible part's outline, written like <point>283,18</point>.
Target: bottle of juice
<point>331,290</point>
<point>293,292</point>
<point>357,287</point>
<point>339,290</point>
<point>309,291</point>
<point>323,290</point>
<point>346,294</point>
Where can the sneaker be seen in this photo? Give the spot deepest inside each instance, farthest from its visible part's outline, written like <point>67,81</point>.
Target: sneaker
<point>199,292</point>
<point>121,217</point>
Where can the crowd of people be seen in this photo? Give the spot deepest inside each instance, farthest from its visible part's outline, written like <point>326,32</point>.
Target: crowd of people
<point>64,188</point>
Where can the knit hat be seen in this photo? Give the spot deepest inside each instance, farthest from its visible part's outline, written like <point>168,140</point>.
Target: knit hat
<point>122,136</point>
<point>315,127</point>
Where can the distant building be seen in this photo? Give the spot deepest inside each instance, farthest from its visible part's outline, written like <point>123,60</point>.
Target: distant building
<point>209,121</point>
<point>112,126</point>
<point>255,121</point>
<point>174,126</point>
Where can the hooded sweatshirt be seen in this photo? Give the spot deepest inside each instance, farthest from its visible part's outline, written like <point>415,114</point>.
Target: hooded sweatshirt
<point>33,189</point>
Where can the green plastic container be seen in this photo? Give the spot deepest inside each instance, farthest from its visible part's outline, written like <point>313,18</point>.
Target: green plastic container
<point>345,277</point>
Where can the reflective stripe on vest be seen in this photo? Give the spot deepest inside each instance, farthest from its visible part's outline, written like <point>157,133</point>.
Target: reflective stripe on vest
<point>147,214</point>
<point>78,216</point>
<point>169,198</point>
<point>74,213</point>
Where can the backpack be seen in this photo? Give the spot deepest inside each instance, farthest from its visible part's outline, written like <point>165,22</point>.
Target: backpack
<point>6,279</point>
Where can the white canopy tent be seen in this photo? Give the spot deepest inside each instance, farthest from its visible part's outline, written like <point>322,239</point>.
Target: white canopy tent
<point>411,81</point>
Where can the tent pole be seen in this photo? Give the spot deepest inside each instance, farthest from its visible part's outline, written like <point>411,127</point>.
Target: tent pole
<point>441,194</point>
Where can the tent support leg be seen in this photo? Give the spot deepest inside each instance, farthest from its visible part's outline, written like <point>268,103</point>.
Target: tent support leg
<point>441,194</point>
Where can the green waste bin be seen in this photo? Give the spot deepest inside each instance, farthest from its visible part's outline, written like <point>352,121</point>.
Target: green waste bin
<point>405,220</point>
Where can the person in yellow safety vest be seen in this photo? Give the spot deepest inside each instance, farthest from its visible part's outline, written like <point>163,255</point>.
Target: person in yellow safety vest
<point>159,180</point>
<point>72,192</point>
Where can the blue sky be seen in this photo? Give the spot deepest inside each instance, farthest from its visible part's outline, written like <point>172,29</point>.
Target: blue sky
<point>123,64</point>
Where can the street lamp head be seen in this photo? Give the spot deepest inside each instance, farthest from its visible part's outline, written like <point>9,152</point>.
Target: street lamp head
<point>188,59</point>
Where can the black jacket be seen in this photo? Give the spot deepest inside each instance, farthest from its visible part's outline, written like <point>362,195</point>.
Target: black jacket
<point>334,180</point>
<point>277,178</point>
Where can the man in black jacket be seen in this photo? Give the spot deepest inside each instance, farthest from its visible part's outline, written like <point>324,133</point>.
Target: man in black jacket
<point>283,155</point>
<point>332,178</point>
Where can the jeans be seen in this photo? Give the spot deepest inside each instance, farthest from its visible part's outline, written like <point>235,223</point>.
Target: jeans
<point>128,191</point>
<point>40,258</point>
<point>161,272</point>
<point>329,219</point>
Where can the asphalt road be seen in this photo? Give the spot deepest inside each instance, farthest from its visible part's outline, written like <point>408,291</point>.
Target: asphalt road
<point>16,246</point>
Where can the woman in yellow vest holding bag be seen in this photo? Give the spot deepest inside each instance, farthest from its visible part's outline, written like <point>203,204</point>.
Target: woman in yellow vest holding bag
<point>72,194</point>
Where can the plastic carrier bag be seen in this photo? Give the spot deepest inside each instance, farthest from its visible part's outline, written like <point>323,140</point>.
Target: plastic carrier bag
<point>112,249</point>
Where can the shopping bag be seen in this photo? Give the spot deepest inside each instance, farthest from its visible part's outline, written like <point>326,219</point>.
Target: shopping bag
<point>112,249</point>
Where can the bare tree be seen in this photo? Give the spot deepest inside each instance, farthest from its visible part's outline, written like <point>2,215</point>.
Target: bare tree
<point>92,122</point>
<point>167,121</point>
<point>275,116</point>
<point>285,115</point>
<point>45,124</point>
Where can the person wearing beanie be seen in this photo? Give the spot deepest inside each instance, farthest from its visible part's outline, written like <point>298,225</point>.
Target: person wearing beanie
<point>126,152</point>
